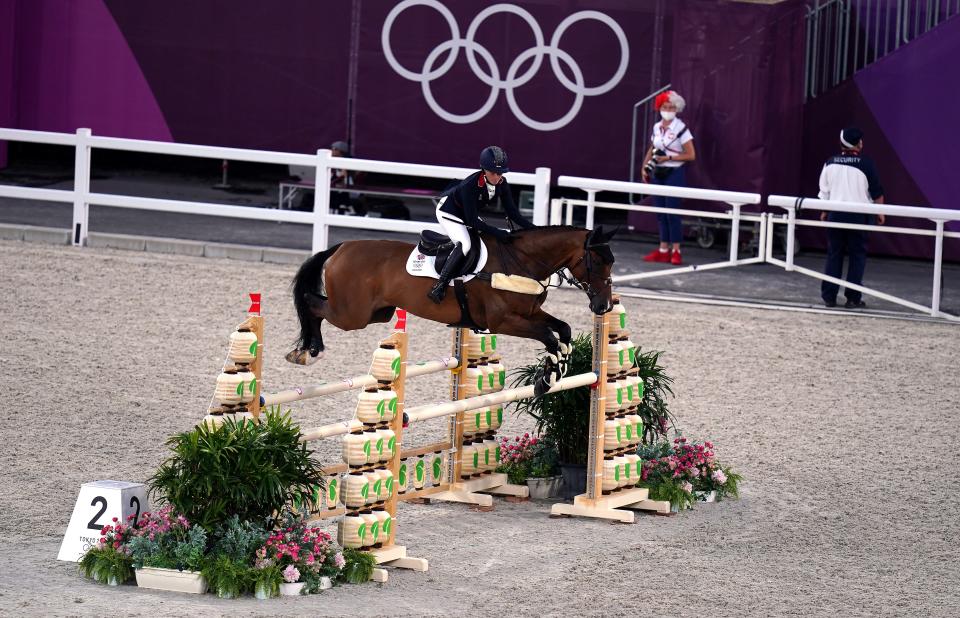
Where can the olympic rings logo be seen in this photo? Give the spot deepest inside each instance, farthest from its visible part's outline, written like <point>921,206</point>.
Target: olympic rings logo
<point>491,77</point>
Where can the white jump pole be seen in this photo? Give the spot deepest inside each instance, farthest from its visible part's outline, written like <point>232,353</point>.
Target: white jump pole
<point>358,382</point>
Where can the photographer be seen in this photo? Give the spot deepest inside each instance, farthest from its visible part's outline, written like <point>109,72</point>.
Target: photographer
<point>671,148</point>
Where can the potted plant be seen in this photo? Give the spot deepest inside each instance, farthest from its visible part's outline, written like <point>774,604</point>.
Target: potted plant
<point>358,567</point>
<point>711,480</point>
<point>666,481</point>
<point>298,558</point>
<point>227,577</point>
<point>168,551</point>
<point>267,579</point>
<point>657,418</point>
<point>532,461</point>
<point>544,482</point>
<point>240,468</point>
<point>228,567</point>
<point>684,472</point>
<point>109,562</point>
<point>563,418</point>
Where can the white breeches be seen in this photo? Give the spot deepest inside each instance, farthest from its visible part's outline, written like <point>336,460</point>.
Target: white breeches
<point>454,228</point>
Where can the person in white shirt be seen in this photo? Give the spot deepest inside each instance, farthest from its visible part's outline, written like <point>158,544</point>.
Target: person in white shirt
<point>848,177</point>
<point>671,148</point>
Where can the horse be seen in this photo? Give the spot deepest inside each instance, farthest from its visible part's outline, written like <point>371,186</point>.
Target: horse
<point>362,282</point>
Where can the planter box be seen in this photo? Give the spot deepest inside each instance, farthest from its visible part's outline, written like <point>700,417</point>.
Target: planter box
<point>574,479</point>
<point>706,496</point>
<point>172,580</point>
<point>543,488</point>
<point>291,590</point>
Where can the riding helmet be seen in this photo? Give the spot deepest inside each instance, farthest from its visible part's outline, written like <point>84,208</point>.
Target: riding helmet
<point>494,159</point>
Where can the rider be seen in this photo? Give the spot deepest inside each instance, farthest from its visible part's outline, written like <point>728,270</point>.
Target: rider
<point>459,208</point>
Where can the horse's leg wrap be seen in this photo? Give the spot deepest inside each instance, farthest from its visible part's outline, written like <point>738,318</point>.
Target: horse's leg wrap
<point>564,363</point>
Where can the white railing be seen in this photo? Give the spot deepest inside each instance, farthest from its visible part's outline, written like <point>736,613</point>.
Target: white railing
<point>562,211</point>
<point>83,141</point>
<point>938,216</point>
<point>557,211</point>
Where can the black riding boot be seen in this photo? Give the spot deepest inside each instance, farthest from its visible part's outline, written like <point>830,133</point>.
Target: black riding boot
<point>450,269</point>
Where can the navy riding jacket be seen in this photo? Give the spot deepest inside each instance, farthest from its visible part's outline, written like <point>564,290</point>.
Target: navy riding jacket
<point>469,196</point>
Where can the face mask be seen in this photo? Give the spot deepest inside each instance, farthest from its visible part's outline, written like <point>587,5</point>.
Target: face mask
<point>668,115</point>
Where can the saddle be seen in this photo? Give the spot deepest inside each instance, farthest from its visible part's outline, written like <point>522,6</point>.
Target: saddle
<point>439,246</point>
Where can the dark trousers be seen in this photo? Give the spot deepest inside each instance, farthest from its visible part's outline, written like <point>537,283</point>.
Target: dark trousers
<point>853,244</point>
<point>671,228</point>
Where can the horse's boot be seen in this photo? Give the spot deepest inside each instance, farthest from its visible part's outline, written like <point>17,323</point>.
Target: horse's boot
<point>450,269</point>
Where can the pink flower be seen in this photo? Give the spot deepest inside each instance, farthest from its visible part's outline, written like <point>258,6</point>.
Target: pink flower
<point>719,476</point>
<point>291,575</point>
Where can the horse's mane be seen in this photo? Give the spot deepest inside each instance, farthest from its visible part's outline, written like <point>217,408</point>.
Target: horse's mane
<point>549,228</point>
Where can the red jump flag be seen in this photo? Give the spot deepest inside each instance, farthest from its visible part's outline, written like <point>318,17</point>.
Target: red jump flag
<point>401,325</point>
<point>254,303</point>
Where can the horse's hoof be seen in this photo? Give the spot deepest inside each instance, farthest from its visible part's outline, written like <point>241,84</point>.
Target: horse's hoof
<point>302,357</point>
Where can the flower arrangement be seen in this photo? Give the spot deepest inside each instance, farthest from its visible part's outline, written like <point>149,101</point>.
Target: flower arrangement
<point>166,540</point>
<point>297,553</point>
<point>109,561</point>
<point>684,471</point>
<point>526,457</point>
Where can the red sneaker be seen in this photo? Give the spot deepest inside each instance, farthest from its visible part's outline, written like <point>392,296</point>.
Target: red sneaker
<point>675,258</point>
<point>657,256</point>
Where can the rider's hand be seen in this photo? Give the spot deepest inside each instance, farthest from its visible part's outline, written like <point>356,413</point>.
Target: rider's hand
<point>644,175</point>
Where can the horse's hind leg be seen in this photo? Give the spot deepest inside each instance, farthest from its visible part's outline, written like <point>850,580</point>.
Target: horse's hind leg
<point>311,348</point>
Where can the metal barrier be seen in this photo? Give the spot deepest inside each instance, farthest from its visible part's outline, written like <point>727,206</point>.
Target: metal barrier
<point>562,211</point>
<point>84,142</point>
<point>793,205</point>
<point>843,36</point>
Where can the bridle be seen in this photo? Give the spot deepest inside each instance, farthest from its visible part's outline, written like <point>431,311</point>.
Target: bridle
<point>602,249</point>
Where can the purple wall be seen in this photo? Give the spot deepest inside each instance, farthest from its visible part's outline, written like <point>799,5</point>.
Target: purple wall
<point>74,69</point>
<point>914,159</point>
<point>244,73</point>
<point>396,121</point>
<point>8,41</point>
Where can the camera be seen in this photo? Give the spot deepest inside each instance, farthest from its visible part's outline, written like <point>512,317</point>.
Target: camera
<point>651,167</point>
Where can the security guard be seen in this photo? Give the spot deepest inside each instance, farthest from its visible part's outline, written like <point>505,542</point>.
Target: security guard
<point>460,206</point>
<point>848,177</point>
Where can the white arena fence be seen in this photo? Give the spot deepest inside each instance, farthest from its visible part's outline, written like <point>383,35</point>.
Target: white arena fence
<point>562,211</point>
<point>544,211</point>
<point>794,205</point>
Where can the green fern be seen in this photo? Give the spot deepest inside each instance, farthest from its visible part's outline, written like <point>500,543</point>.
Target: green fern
<point>359,567</point>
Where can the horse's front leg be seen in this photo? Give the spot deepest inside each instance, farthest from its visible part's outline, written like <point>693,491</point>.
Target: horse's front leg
<point>565,336</point>
<point>533,327</point>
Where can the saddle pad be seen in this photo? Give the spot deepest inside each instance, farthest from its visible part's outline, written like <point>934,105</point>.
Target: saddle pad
<point>420,265</point>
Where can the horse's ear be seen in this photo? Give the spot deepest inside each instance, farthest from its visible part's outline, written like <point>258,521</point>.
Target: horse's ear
<point>611,234</point>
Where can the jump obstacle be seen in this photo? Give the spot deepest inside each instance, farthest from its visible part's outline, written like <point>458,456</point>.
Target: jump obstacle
<point>378,472</point>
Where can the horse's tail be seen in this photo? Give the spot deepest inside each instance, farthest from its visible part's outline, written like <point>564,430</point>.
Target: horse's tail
<point>307,284</point>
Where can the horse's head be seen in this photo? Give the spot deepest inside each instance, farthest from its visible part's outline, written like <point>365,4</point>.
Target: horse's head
<point>593,270</point>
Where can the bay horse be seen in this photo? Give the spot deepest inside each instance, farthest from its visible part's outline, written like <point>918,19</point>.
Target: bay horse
<point>361,282</point>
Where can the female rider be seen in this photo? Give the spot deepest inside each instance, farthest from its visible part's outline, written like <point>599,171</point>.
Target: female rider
<point>459,208</point>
